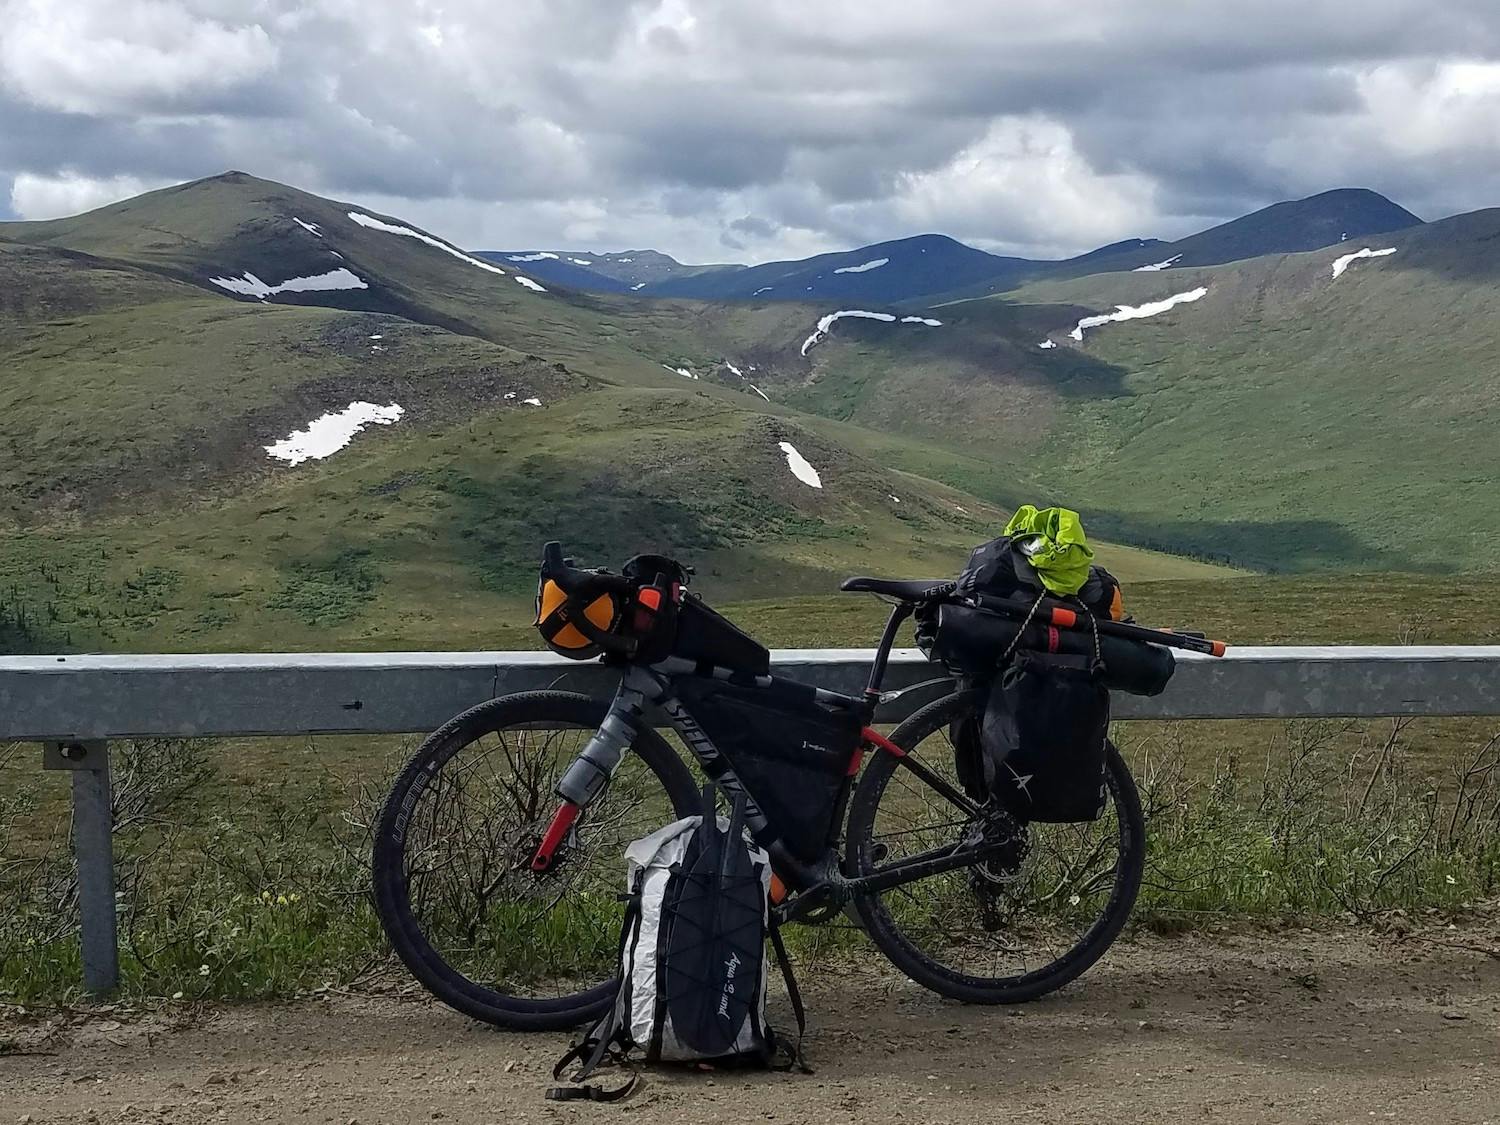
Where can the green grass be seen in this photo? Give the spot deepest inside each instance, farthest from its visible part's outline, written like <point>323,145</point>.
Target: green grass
<point>418,538</point>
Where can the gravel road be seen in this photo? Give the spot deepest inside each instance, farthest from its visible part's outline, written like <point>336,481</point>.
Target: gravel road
<point>1257,1027</point>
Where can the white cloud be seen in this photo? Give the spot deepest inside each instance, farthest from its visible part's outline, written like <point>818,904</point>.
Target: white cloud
<point>776,129</point>
<point>115,57</point>
<point>51,197</point>
<point>1025,175</point>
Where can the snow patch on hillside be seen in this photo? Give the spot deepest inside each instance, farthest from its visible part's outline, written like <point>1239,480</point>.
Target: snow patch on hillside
<point>826,323</point>
<point>683,371</point>
<point>889,318</point>
<point>581,261</point>
<point>866,268</point>
<point>1342,263</point>
<point>1136,312</point>
<point>1155,266</point>
<point>735,369</point>
<point>758,391</point>
<point>327,435</point>
<point>532,401</point>
<point>252,286</point>
<point>406,232</point>
<point>762,289</point>
<point>312,227</point>
<point>526,281</point>
<point>1047,344</point>
<point>540,256</point>
<point>638,285</point>
<point>799,465</point>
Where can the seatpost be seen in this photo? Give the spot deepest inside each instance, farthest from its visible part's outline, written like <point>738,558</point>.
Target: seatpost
<point>899,613</point>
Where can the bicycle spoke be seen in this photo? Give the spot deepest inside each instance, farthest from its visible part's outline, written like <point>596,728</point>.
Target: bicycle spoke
<point>466,862</point>
<point>1010,917</point>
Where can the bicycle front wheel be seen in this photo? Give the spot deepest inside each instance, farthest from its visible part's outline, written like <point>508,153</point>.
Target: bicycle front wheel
<point>1013,928</point>
<point>453,882</point>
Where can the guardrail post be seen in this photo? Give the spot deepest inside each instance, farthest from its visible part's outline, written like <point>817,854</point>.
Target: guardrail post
<point>94,854</point>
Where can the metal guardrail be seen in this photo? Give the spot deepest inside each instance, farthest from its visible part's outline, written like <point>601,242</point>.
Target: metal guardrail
<point>75,705</point>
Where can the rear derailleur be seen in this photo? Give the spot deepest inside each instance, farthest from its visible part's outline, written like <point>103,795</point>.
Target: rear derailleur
<point>989,878</point>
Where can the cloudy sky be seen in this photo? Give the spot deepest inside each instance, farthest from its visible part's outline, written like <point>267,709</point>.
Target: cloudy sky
<point>747,130</point>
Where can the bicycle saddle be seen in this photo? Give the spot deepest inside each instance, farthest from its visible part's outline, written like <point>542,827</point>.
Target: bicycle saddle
<point>906,589</point>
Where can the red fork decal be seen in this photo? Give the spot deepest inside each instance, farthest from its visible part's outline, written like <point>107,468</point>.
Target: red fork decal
<point>562,820</point>
<point>881,742</point>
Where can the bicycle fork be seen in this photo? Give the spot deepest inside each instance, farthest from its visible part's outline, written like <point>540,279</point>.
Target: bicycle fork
<point>591,771</point>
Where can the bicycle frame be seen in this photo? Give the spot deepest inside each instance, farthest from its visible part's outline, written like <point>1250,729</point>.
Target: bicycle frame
<point>820,884</point>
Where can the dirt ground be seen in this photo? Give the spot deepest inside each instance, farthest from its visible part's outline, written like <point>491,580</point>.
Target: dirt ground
<point>1292,1026</point>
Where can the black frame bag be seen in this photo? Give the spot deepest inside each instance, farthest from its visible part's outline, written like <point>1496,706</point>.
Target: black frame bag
<point>790,752</point>
<point>1043,738</point>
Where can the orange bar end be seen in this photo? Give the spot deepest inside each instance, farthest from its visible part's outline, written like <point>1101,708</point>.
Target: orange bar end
<point>1219,648</point>
<point>1064,618</point>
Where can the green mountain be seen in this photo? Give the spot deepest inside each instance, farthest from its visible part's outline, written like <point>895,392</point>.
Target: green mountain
<point>155,352</point>
<point>1283,417</point>
<point>1325,219</point>
<point>626,271</point>
<point>932,267</point>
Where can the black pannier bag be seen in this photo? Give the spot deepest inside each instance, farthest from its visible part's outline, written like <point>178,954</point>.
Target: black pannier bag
<point>710,639</point>
<point>973,642</point>
<point>791,754</point>
<point>1041,741</point>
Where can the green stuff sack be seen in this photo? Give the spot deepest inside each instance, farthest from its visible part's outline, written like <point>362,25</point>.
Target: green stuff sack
<point>1054,542</point>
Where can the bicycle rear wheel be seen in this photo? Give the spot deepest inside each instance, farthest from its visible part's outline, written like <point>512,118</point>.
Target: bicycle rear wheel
<point>453,884</point>
<point>1017,927</point>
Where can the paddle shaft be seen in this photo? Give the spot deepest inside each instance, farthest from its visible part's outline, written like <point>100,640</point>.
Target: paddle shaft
<point>1052,612</point>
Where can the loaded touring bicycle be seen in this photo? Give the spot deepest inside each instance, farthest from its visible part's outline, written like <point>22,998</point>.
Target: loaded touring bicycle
<point>497,857</point>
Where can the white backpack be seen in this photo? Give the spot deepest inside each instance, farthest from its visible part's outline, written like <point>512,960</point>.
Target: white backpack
<point>692,957</point>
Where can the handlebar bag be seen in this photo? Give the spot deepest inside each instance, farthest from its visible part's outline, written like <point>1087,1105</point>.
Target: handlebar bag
<point>712,640</point>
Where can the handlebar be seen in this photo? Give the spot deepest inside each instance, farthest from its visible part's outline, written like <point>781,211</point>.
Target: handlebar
<point>582,583</point>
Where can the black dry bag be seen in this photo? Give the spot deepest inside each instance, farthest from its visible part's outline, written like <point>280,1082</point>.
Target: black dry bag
<point>1043,736</point>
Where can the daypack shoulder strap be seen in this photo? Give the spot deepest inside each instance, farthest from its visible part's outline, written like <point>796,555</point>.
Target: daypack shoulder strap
<point>591,1093</point>
<point>795,995</point>
<point>604,1039</point>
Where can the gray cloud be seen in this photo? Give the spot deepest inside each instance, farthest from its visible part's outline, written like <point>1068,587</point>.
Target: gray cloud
<point>780,128</point>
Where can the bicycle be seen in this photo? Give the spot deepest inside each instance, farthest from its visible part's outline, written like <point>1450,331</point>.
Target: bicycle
<point>497,855</point>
